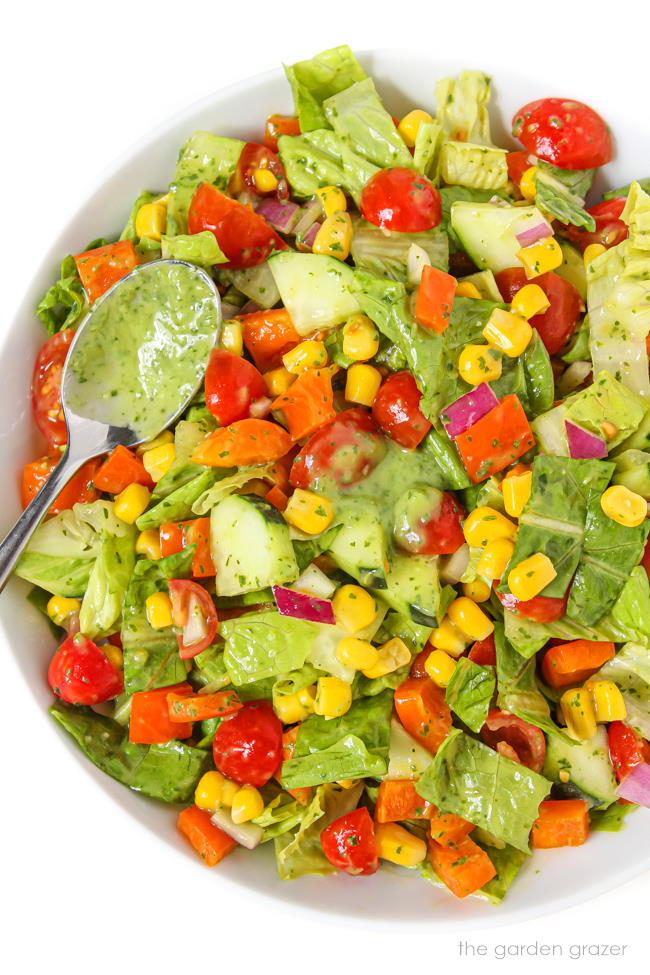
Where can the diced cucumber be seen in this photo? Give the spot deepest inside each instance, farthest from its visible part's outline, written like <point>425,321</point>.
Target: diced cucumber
<point>407,759</point>
<point>485,283</point>
<point>317,291</point>
<point>588,764</point>
<point>413,587</point>
<point>488,231</point>
<point>361,548</point>
<point>251,547</point>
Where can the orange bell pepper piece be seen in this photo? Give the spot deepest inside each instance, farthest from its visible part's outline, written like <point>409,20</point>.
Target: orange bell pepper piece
<point>244,443</point>
<point>572,663</point>
<point>435,297</point>
<point>267,336</point>
<point>201,707</point>
<point>421,707</point>
<point>101,267</point>
<point>398,800</point>
<point>210,842</point>
<point>447,829</point>
<point>561,822</point>
<point>150,724</point>
<point>308,403</point>
<point>464,869</point>
<point>120,469</point>
<point>303,794</point>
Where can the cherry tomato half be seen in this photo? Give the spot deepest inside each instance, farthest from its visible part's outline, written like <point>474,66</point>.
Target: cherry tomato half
<point>428,522</point>
<point>542,609</point>
<point>81,673</point>
<point>401,199</point>
<point>556,325</point>
<point>193,611</point>
<point>610,229</point>
<point>232,385</point>
<point>243,235</point>
<point>483,652</point>
<point>347,449</point>
<point>527,741</point>
<point>626,748</point>
<point>78,490</point>
<point>517,163</point>
<point>396,409</point>
<point>248,746</point>
<point>349,843</point>
<point>277,125</point>
<point>252,158</point>
<point>564,132</point>
<point>46,387</point>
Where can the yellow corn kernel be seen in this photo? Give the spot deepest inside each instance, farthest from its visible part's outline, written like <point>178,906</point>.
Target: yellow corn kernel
<point>624,506</point>
<point>60,607</point>
<point>397,845</point>
<point>114,654</point>
<point>331,199</point>
<point>578,713</point>
<point>158,609</point>
<point>608,430</point>
<point>232,337</point>
<point>207,794</point>
<point>354,608</point>
<point>516,490</point>
<point>311,513</point>
<point>410,124</point>
<point>591,252</point>
<point>333,697</point>
<point>470,620</point>
<point>484,524</point>
<point>509,333</point>
<point>607,700</point>
<point>479,364</point>
<point>530,301</point>
<point>229,790</point>
<point>495,557</point>
<point>165,437</point>
<point>151,220</point>
<point>278,380</point>
<point>247,804</point>
<point>265,180</point>
<point>148,544</point>
<point>391,656</point>
<point>531,576</point>
<point>347,783</point>
<point>307,696</point>
<point>539,258</point>
<point>527,186</point>
<point>362,384</point>
<point>305,355</point>
<point>290,707</point>
<point>478,590</point>
<point>440,667</point>
<point>334,236</point>
<point>466,289</point>
<point>449,638</point>
<point>132,502</point>
<point>158,461</point>
<point>358,654</point>
<point>360,339</point>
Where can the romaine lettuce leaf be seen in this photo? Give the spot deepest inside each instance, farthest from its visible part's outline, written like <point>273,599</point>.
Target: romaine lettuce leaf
<point>473,781</point>
<point>630,671</point>
<point>319,78</point>
<point>359,118</point>
<point>470,691</point>
<point>610,820</point>
<point>256,283</point>
<point>201,249</point>
<point>462,107</point>
<point>211,494</point>
<point>507,862</point>
<point>144,197</point>
<point>265,644</point>
<point>454,475</point>
<point>101,607</point>
<point>321,158</point>
<point>562,192</point>
<point>178,504</point>
<point>644,183</point>
<point>62,304</point>
<point>476,166</point>
<point>300,852</point>
<point>385,253</point>
<point>204,158</point>
<point>426,154</point>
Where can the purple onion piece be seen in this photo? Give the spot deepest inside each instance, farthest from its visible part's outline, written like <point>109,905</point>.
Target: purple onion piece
<point>467,409</point>
<point>302,606</point>
<point>635,787</point>
<point>584,445</point>
<point>532,234</point>
<point>283,216</point>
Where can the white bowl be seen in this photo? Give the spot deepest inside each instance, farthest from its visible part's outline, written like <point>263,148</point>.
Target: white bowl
<point>551,880</point>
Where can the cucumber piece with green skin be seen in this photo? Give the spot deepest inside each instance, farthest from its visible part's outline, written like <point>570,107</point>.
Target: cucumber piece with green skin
<point>413,587</point>
<point>488,232</point>
<point>251,547</point>
<point>317,291</point>
<point>588,764</point>
<point>633,472</point>
<point>485,283</point>
<point>361,547</point>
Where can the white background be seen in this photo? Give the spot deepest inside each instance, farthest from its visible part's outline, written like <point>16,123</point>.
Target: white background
<point>86,888</point>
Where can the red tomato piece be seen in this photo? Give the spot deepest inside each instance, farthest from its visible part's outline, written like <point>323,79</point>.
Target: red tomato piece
<point>349,843</point>
<point>100,268</point>
<point>557,324</point>
<point>268,335</point>
<point>46,387</point>
<point>483,652</point>
<point>232,385</point>
<point>396,410</point>
<point>244,237</point>
<point>401,199</point>
<point>610,229</point>
<point>417,666</point>
<point>347,449</point>
<point>626,748</point>
<point>81,673</point>
<point>150,723</point>
<point>518,162</point>
<point>423,712</point>
<point>248,747</point>
<point>564,132</point>
<point>253,157</point>
<point>542,609</point>
<point>277,125</point>
<point>171,538</point>
<point>78,490</point>
<point>430,523</point>
<point>527,740</point>
<point>193,611</point>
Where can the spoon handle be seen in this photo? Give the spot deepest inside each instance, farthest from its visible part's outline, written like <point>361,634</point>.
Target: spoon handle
<point>16,539</point>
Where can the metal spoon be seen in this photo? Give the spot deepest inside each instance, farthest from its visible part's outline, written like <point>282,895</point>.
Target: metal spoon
<point>88,438</point>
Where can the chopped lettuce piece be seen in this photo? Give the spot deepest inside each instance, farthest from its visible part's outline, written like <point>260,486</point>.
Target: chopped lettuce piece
<point>129,232</point>
<point>265,644</point>
<point>201,249</point>
<point>101,607</point>
<point>470,691</point>
<point>507,862</point>
<point>62,304</point>
<point>300,852</point>
<point>319,78</point>
<point>256,283</point>
<point>359,118</point>
<point>625,190</point>
<point>606,400</point>
<point>454,475</point>
<point>384,253</point>
<point>610,820</point>
<point>426,154</point>
<point>177,505</point>
<point>321,158</point>
<point>204,158</point>
<point>630,671</point>
<point>211,495</point>
<point>473,781</point>
<point>462,107</point>
<point>562,192</point>
<point>476,166</point>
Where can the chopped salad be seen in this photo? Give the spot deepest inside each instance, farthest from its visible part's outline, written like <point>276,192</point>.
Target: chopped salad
<point>381,595</point>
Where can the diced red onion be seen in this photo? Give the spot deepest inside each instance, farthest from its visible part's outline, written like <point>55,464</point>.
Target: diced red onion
<point>635,787</point>
<point>532,234</point>
<point>249,308</point>
<point>308,215</point>
<point>303,607</point>
<point>307,241</point>
<point>260,408</point>
<point>246,834</point>
<point>282,215</point>
<point>583,444</point>
<point>467,409</point>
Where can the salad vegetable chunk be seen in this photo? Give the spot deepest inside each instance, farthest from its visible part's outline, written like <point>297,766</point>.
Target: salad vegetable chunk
<point>381,594</point>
